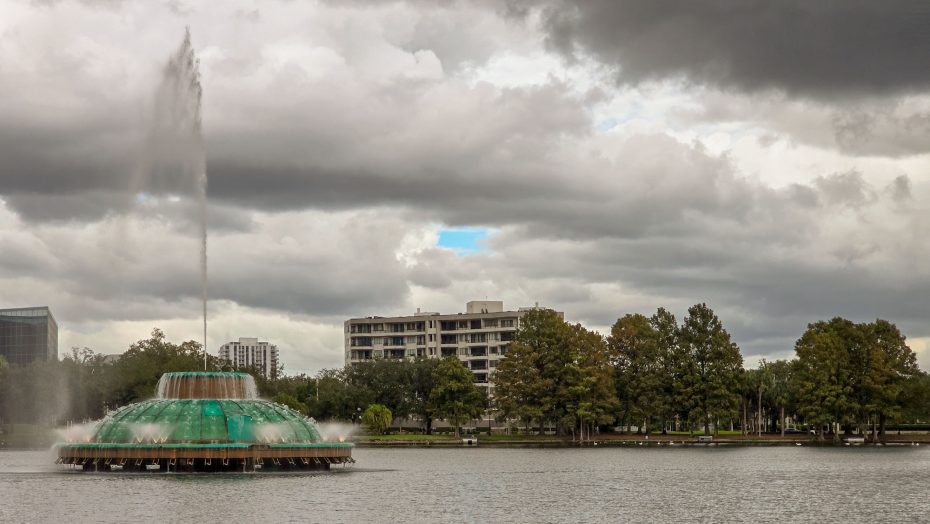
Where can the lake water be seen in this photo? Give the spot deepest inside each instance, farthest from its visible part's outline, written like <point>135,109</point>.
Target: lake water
<point>739,484</point>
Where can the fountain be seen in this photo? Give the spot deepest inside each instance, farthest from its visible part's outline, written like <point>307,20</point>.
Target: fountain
<point>203,421</point>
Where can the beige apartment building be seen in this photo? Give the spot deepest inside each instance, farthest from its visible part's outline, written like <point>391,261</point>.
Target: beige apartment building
<point>479,337</point>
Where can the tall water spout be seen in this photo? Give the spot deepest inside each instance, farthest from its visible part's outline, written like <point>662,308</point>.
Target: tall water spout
<point>177,155</point>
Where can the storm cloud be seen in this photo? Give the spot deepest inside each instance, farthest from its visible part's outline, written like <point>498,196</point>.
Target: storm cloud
<point>770,160</point>
<point>823,49</point>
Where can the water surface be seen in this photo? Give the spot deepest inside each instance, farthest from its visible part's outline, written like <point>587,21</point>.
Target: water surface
<point>498,485</point>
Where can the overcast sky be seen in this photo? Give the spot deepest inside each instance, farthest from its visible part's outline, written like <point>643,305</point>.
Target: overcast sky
<point>771,159</point>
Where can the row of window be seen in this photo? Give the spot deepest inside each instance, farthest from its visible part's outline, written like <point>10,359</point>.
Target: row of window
<point>482,351</point>
<point>467,338</point>
<point>444,325</point>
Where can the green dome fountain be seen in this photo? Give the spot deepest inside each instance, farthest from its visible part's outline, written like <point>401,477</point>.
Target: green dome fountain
<point>205,422</point>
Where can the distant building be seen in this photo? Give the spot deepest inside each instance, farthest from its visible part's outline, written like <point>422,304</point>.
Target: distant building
<point>249,352</point>
<point>28,334</point>
<point>479,337</point>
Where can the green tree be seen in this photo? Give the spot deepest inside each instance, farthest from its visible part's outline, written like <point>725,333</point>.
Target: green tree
<point>825,376</point>
<point>377,417</point>
<point>335,398</point>
<point>423,381</point>
<point>891,365</point>
<point>291,402</point>
<point>455,397</point>
<point>639,370</point>
<point>670,354</point>
<point>529,381</point>
<point>135,375</point>
<point>589,387</point>
<point>780,389</point>
<point>713,367</point>
<point>389,381</point>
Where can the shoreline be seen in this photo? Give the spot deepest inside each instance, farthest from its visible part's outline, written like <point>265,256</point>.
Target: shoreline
<point>637,442</point>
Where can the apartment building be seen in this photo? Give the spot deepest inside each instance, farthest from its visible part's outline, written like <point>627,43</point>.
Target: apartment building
<point>479,337</point>
<point>249,352</point>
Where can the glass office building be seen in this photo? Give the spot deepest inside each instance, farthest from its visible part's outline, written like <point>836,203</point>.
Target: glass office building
<point>27,335</point>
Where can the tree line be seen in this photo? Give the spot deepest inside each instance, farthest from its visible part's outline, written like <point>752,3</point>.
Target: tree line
<point>648,374</point>
<point>653,373</point>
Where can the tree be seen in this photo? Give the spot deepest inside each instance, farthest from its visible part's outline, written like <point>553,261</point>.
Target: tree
<point>135,375</point>
<point>891,365</point>
<point>589,390</point>
<point>529,379</point>
<point>780,391</point>
<point>377,418</point>
<point>853,374</point>
<point>825,381</point>
<point>638,369</point>
<point>291,402</point>
<point>455,397</point>
<point>713,365</point>
<point>423,380</point>
<point>671,354</point>
<point>335,398</point>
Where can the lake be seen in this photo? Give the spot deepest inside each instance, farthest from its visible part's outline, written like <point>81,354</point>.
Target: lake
<point>734,484</point>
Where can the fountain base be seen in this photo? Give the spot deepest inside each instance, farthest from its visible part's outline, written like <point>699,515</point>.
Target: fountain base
<point>204,457</point>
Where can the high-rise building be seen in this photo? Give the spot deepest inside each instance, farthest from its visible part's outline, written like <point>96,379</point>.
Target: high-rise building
<point>249,352</point>
<point>478,337</point>
<point>28,334</point>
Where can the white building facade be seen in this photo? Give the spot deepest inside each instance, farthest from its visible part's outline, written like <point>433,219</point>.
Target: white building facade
<point>250,352</point>
<point>479,337</point>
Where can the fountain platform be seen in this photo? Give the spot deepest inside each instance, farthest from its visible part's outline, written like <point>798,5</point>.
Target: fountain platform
<point>205,422</point>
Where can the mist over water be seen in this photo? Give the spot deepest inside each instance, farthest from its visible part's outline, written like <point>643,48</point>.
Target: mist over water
<point>336,431</point>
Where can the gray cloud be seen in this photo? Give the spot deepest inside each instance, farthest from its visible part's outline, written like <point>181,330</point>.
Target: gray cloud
<point>334,155</point>
<point>821,49</point>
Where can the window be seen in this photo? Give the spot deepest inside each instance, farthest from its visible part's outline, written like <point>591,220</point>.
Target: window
<point>432,337</point>
<point>476,324</point>
<point>463,324</point>
<point>490,322</point>
<point>448,339</point>
<point>507,322</point>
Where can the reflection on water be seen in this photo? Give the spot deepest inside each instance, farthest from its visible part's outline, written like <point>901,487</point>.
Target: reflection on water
<point>483,485</point>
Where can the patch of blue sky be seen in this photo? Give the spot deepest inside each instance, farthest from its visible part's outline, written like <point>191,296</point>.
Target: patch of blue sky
<point>464,241</point>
